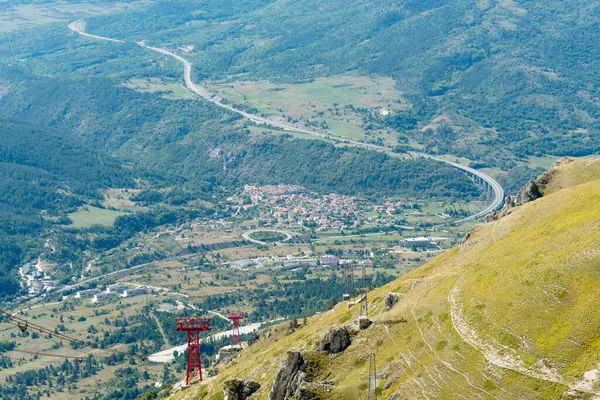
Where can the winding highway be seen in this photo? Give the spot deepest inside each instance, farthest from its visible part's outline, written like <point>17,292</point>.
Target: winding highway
<point>477,176</point>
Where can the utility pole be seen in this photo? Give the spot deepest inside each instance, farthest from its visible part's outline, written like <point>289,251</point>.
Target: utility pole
<point>193,327</point>
<point>372,386</point>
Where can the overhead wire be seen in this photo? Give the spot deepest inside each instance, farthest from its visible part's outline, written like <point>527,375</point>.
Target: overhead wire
<point>88,354</point>
<point>40,353</point>
<point>41,328</point>
<point>13,359</point>
<point>63,336</point>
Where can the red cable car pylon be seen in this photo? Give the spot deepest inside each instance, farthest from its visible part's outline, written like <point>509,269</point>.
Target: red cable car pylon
<point>235,318</point>
<point>193,327</point>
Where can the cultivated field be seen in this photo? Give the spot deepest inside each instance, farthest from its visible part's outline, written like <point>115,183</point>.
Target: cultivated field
<point>321,103</point>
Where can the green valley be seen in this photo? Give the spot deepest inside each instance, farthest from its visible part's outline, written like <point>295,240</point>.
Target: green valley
<point>332,173</point>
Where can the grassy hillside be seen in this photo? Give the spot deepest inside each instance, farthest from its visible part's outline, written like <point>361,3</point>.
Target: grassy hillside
<point>510,313</point>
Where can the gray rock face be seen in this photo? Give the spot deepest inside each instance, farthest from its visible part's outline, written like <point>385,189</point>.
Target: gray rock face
<point>289,377</point>
<point>336,340</point>
<point>391,299</point>
<point>239,389</point>
<point>529,192</point>
<point>292,382</point>
<point>563,161</point>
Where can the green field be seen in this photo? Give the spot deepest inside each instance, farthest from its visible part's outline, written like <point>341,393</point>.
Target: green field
<point>89,216</point>
<point>319,103</point>
<point>167,90</point>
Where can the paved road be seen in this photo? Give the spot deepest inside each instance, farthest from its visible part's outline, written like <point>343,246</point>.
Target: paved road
<point>123,270</point>
<point>498,192</point>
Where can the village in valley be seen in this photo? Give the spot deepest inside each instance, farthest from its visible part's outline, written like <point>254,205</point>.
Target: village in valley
<point>287,226</point>
<point>295,207</point>
<point>263,242</point>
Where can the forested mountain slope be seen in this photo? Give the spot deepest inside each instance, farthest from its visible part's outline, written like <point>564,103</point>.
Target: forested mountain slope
<point>509,313</point>
<point>43,176</point>
<point>516,76</point>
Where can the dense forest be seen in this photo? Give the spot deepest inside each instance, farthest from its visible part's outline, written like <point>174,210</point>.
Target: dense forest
<point>357,172</point>
<point>44,174</point>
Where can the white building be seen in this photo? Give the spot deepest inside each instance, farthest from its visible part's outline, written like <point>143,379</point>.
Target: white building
<point>86,293</point>
<point>330,261</point>
<point>116,288</point>
<point>135,291</point>
<point>103,296</point>
<point>417,242</point>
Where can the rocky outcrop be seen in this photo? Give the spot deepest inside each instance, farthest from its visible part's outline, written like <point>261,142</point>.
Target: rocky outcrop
<point>239,389</point>
<point>563,161</point>
<point>529,192</point>
<point>336,340</point>
<point>290,377</point>
<point>391,299</point>
<point>292,382</point>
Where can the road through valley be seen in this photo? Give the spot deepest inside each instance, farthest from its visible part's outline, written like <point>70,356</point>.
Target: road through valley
<point>485,180</point>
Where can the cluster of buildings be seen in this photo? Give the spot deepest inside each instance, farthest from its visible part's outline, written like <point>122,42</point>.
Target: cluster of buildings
<point>37,281</point>
<point>261,193</point>
<point>294,262</point>
<point>292,206</point>
<point>111,292</point>
<point>207,223</point>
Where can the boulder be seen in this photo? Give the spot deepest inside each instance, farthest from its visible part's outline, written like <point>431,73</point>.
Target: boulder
<point>335,340</point>
<point>391,299</point>
<point>529,193</point>
<point>289,377</point>
<point>239,389</point>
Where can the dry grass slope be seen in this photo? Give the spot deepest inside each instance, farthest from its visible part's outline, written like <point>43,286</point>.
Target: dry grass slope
<point>511,313</point>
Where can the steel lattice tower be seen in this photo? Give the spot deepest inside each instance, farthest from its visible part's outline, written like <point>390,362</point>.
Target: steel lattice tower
<point>235,318</point>
<point>349,275</point>
<point>193,327</point>
<point>364,306</point>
